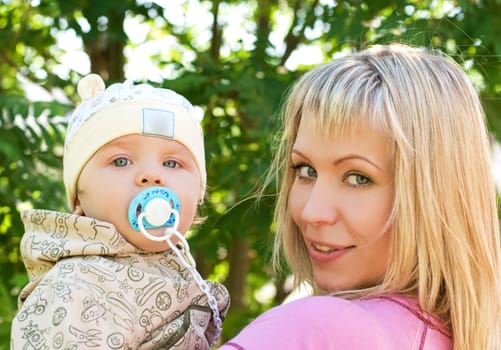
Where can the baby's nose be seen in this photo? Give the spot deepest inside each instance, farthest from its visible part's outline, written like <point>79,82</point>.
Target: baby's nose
<point>150,178</point>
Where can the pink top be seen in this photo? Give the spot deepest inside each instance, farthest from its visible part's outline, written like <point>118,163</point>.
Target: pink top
<point>326,322</point>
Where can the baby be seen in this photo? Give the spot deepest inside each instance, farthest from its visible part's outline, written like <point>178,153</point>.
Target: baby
<point>117,273</point>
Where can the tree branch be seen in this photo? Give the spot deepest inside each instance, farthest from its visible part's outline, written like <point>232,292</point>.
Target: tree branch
<point>292,40</point>
<point>217,32</point>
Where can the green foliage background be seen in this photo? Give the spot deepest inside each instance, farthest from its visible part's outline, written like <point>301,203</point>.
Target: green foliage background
<point>238,85</point>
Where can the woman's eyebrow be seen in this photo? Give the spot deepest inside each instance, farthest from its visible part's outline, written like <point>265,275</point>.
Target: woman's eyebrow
<point>355,156</point>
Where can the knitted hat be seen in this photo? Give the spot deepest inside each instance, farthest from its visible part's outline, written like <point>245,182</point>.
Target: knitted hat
<point>124,109</point>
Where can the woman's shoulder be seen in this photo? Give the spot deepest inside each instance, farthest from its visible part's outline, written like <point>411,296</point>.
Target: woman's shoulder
<point>334,323</point>
<point>409,325</point>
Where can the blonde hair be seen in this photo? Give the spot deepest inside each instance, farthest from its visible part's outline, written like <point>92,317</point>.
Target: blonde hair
<point>445,249</point>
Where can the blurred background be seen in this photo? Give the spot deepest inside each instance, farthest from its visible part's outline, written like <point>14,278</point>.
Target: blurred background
<point>235,60</point>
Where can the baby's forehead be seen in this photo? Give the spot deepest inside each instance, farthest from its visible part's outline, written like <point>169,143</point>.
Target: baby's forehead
<point>149,142</point>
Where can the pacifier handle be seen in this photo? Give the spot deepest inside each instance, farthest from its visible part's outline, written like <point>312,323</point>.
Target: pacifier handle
<point>157,211</point>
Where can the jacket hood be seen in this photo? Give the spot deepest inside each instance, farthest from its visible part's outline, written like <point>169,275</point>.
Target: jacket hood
<point>51,236</point>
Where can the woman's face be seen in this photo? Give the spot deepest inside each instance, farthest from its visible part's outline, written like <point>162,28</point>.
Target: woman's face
<point>341,200</point>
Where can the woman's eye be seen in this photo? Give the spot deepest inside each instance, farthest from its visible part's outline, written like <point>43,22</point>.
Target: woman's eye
<point>357,180</point>
<point>171,164</point>
<point>121,162</point>
<point>304,172</point>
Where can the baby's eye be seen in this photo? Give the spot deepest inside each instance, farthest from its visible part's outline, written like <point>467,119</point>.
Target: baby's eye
<point>357,180</point>
<point>304,172</point>
<point>121,162</point>
<point>171,163</point>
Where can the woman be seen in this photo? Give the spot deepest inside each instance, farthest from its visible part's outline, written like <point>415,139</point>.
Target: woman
<point>387,208</point>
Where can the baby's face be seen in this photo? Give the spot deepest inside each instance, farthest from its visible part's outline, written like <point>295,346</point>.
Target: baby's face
<point>122,168</point>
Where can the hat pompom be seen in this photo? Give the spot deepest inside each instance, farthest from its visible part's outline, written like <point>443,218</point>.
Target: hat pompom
<point>89,86</point>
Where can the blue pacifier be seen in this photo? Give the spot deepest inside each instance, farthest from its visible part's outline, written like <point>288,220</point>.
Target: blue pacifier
<point>157,204</point>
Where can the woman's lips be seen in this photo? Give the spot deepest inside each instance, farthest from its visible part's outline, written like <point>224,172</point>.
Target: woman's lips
<point>326,253</point>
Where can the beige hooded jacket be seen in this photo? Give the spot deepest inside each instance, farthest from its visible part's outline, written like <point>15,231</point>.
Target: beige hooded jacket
<point>91,289</point>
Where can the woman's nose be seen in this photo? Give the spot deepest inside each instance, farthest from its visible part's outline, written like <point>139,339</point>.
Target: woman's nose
<point>320,205</point>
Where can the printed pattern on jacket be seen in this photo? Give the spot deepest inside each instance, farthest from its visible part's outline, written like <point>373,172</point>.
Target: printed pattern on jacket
<point>91,289</point>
